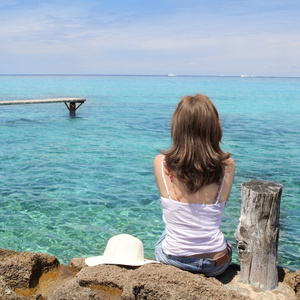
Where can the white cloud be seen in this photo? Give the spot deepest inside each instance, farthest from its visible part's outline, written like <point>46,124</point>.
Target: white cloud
<point>86,36</point>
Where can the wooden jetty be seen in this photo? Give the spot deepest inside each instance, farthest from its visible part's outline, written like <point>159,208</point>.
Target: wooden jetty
<point>72,107</point>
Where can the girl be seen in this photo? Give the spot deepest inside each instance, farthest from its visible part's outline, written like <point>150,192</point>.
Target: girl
<point>194,178</point>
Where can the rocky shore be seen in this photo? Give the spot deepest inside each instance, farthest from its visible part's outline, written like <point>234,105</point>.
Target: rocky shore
<point>26,275</point>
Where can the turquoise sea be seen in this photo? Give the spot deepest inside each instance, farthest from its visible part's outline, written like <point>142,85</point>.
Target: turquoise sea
<point>69,184</point>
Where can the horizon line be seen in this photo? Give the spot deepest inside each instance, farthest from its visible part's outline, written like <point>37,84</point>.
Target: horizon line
<point>148,75</point>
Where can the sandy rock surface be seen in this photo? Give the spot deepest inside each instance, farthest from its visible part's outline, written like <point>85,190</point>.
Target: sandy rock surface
<point>40,276</point>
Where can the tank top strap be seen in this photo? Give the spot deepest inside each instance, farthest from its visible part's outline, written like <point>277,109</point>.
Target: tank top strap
<point>163,176</point>
<point>220,188</point>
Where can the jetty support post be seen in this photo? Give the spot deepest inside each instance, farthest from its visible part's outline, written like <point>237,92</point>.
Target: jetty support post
<point>72,107</point>
<point>257,233</point>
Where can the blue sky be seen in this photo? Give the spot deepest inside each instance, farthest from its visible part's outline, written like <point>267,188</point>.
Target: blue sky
<point>187,37</point>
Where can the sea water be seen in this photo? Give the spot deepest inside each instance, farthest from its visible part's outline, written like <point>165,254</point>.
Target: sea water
<point>69,184</point>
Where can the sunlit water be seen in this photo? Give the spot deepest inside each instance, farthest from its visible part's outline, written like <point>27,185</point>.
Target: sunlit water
<point>69,184</point>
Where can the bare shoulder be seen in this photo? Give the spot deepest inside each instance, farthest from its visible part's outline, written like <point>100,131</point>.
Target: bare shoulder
<point>157,165</point>
<point>230,164</point>
<point>230,169</point>
<point>157,162</point>
<point>229,177</point>
<point>157,172</point>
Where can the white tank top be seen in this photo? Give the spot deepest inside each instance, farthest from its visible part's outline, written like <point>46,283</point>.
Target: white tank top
<point>192,228</point>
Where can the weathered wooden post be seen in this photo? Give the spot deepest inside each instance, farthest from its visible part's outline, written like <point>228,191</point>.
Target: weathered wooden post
<point>257,233</point>
<point>72,109</point>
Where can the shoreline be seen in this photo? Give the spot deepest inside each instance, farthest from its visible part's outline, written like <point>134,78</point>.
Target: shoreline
<point>28,275</point>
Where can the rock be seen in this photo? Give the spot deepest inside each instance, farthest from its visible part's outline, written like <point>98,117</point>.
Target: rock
<point>23,270</point>
<point>151,281</point>
<point>77,264</point>
<point>39,276</point>
<point>293,280</point>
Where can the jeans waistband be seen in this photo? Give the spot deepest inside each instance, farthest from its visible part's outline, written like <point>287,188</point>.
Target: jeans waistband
<point>208,261</point>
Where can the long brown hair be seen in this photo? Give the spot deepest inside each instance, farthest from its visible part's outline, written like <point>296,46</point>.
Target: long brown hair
<point>195,157</point>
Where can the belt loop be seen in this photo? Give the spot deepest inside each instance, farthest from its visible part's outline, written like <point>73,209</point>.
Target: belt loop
<point>200,264</point>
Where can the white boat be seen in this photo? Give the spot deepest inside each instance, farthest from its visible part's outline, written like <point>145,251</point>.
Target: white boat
<point>245,75</point>
<point>171,75</point>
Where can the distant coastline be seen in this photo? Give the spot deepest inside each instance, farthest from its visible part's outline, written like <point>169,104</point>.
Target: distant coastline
<point>149,75</point>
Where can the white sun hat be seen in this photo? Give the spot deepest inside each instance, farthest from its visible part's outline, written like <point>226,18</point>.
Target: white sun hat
<point>122,249</point>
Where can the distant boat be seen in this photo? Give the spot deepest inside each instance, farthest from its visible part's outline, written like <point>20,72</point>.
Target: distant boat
<point>245,75</point>
<point>171,75</point>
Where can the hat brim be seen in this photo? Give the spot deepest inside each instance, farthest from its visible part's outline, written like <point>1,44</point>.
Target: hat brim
<point>102,260</point>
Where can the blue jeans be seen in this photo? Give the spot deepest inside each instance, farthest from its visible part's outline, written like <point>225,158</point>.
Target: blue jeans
<point>200,265</point>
